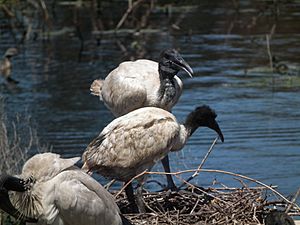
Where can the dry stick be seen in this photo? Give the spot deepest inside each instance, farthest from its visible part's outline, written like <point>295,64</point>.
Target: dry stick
<point>45,10</point>
<point>130,8</point>
<point>234,189</point>
<point>125,185</point>
<point>109,184</point>
<point>293,201</point>
<point>7,11</point>
<point>202,163</point>
<point>199,189</point>
<point>193,209</point>
<point>269,51</point>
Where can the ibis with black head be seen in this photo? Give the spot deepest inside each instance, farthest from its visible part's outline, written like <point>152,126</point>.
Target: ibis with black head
<point>133,143</point>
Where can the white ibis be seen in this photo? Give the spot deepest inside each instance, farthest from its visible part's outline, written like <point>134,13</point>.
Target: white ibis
<point>51,190</point>
<point>133,143</point>
<point>143,83</point>
<point>6,65</point>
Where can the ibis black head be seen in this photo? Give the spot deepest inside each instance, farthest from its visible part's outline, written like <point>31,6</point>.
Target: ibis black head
<point>204,116</point>
<point>10,183</point>
<point>171,62</point>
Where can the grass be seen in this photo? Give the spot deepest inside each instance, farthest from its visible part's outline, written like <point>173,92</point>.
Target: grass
<point>18,138</point>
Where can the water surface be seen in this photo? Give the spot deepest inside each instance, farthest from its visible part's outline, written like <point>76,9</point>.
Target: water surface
<point>258,111</point>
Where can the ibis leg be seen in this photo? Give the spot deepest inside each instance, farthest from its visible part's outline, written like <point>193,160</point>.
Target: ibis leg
<point>166,165</point>
<point>139,199</point>
<point>130,196</point>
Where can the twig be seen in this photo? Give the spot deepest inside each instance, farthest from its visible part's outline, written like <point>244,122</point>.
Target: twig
<point>269,51</point>
<point>234,188</point>
<point>202,163</point>
<point>7,11</point>
<point>130,8</point>
<point>109,184</point>
<point>293,201</point>
<point>204,192</point>
<point>125,185</point>
<point>193,209</point>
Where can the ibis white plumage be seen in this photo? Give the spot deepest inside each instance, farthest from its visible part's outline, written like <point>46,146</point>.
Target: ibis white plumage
<point>53,191</point>
<point>134,142</point>
<point>143,83</point>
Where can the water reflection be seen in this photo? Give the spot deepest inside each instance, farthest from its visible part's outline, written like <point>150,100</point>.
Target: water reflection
<point>225,44</point>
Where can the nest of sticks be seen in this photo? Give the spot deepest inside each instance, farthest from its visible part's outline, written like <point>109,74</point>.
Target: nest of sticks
<point>258,204</point>
<point>195,205</point>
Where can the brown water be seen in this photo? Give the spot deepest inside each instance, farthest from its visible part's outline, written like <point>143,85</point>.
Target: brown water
<point>258,111</point>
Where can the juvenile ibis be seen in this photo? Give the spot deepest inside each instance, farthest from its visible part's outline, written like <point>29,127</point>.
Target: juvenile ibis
<point>52,190</point>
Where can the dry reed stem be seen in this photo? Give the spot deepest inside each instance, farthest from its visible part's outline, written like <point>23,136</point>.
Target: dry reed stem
<point>269,51</point>
<point>17,138</point>
<point>202,163</point>
<point>128,11</point>
<point>293,201</point>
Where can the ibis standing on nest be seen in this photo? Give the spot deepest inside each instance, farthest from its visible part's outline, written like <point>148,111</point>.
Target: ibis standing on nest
<point>51,190</point>
<point>143,83</point>
<point>133,143</point>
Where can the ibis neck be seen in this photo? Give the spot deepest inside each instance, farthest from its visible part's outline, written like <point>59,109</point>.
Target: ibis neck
<point>190,129</point>
<point>184,135</point>
<point>167,90</point>
<point>185,132</point>
<point>190,124</point>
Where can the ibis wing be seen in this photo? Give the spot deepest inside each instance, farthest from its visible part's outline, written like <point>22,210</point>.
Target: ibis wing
<point>130,86</point>
<point>75,197</point>
<point>143,136</point>
<point>123,94</point>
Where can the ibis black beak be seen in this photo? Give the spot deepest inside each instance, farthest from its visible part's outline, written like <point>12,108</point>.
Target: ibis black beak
<point>14,184</point>
<point>183,65</point>
<point>215,126</point>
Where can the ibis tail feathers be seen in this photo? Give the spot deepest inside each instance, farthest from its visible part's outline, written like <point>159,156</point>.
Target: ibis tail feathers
<point>96,88</point>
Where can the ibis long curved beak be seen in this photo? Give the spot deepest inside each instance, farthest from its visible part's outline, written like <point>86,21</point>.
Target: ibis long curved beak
<point>183,65</point>
<point>14,184</point>
<point>215,126</point>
